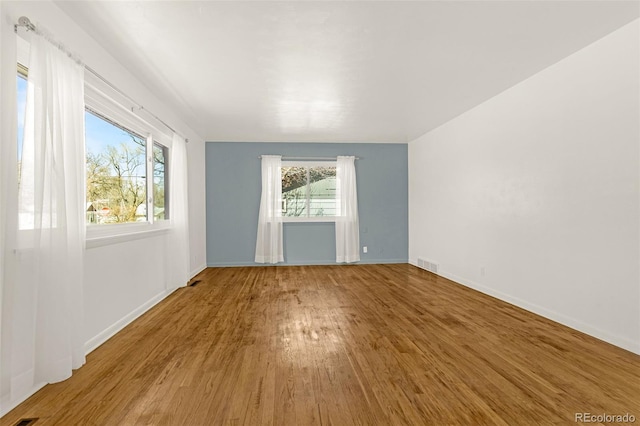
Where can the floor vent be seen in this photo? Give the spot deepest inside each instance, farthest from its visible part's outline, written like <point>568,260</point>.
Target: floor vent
<point>26,422</point>
<point>194,283</point>
<point>428,265</point>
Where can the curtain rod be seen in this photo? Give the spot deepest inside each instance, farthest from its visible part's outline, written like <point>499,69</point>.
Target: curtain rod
<point>309,158</point>
<point>25,22</point>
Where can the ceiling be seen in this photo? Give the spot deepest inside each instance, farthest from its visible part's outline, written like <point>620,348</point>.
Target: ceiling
<point>345,71</point>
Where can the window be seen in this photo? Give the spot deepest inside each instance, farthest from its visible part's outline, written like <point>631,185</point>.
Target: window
<point>118,161</point>
<point>117,170</point>
<point>308,190</point>
<point>127,164</point>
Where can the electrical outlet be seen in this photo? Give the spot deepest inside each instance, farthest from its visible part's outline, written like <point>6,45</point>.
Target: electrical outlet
<point>482,271</point>
<point>364,249</point>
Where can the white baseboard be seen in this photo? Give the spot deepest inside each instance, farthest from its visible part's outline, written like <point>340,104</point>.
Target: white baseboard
<point>111,331</point>
<point>619,341</point>
<point>197,270</point>
<point>308,263</point>
<point>7,403</point>
<point>105,335</point>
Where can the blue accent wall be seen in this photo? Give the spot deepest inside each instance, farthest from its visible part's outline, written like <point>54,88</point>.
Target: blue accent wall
<point>233,186</point>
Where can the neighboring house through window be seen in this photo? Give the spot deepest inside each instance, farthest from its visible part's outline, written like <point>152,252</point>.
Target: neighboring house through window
<point>308,190</point>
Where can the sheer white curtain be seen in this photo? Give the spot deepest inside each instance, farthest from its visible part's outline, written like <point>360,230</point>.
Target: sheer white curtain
<point>8,194</point>
<point>44,280</point>
<point>269,242</point>
<point>347,223</point>
<point>178,247</point>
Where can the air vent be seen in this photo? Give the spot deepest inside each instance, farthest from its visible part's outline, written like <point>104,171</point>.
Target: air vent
<point>194,283</point>
<point>428,265</point>
<point>26,422</point>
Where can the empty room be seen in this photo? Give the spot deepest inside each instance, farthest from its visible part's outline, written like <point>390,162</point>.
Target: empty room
<point>319,212</point>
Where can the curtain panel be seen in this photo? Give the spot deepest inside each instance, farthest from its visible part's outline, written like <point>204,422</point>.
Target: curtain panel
<point>8,198</point>
<point>45,226</point>
<point>179,271</point>
<point>347,222</point>
<point>269,247</point>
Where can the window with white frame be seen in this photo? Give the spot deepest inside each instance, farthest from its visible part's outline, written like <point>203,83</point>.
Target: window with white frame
<point>126,160</point>
<point>308,190</point>
<point>117,167</point>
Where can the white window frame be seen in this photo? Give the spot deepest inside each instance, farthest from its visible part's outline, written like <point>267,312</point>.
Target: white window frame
<point>308,164</point>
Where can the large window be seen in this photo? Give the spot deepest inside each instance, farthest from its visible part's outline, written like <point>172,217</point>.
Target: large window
<point>116,172</point>
<point>308,190</point>
<point>118,190</point>
<point>118,162</point>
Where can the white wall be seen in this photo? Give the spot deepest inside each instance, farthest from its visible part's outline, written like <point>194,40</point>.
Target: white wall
<point>115,295</point>
<point>124,279</point>
<point>197,209</point>
<point>540,187</point>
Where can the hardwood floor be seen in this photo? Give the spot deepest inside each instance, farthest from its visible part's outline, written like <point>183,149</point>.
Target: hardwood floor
<point>342,345</point>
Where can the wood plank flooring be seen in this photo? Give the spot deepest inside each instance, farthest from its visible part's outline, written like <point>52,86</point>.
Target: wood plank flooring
<point>341,345</point>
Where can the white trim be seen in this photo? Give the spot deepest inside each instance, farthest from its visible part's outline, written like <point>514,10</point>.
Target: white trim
<point>198,269</point>
<point>117,238</point>
<point>301,219</point>
<point>6,404</point>
<point>306,263</point>
<point>573,323</point>
<point>150,201</point>
<point>111,331</point>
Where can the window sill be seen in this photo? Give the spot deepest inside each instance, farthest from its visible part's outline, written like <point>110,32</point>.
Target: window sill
<point>326,219</point>
<point>122,233</point>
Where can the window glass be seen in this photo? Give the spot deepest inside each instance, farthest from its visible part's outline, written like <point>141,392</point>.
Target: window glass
<point>308,190</point>
<point>322,191</point>
<point>160,189</point>
<point>116,172</point>
<point>22,106</point>
<point>294,191</point>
